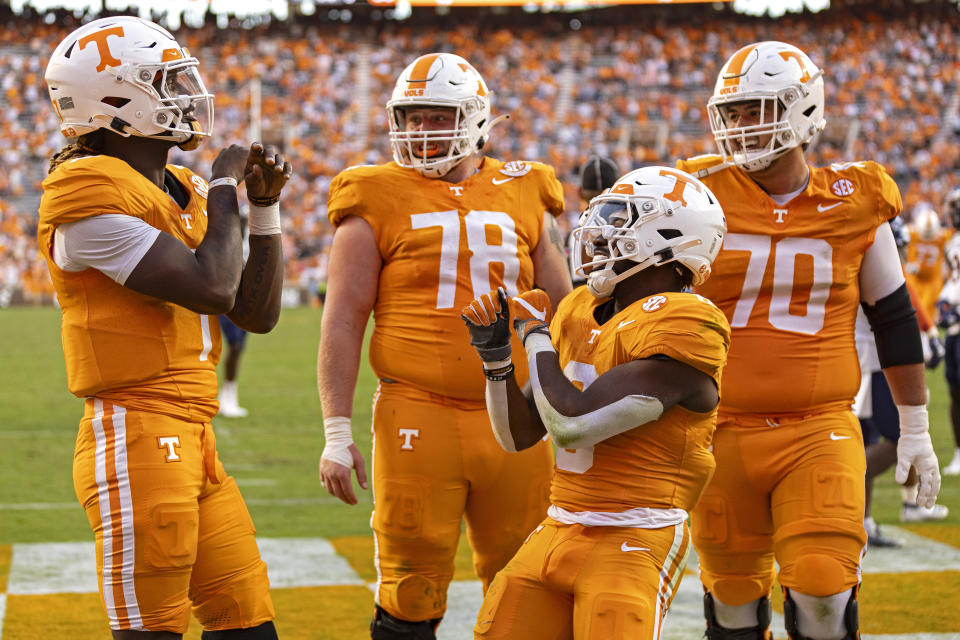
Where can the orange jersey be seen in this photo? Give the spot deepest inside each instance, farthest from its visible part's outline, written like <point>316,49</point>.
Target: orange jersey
<point>664,464</point>
<point>133,349</point>
<point>926,263</point>
<point>443,245</point>
<point>787,279</point>
<point>925,257</point>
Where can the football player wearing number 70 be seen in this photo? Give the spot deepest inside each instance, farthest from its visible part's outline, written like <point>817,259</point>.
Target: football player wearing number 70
<point>416,240</point>
<point>144,255</point>
<point>626,382</point>
<point>805,246</point>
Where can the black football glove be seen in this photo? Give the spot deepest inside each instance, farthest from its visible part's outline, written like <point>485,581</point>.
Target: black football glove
<point>488,320</point>
<point>935,350</point>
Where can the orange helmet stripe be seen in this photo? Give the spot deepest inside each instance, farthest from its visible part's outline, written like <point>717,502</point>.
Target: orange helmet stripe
<point>171,54</point>
<point>735,67</point>
<point>421,70</point>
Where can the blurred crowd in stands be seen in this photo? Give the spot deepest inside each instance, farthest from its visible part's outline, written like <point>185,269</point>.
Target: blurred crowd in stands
<point>627,83</point>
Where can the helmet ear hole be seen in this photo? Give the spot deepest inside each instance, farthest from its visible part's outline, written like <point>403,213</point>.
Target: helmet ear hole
<point>116,102</point>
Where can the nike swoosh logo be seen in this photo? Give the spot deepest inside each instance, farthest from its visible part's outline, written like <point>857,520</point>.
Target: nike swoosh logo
<point>495,181</point>
<point>539,314</point>
<point>627,548</point>
<point>834,436</point>
<point>822,207</point>
<point>624,323</point>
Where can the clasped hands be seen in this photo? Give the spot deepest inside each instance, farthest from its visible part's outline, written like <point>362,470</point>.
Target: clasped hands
<point>488,320</point>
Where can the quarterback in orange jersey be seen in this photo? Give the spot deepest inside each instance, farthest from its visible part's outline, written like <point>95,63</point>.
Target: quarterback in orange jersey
<point>925,255</point>
<point>143,256</point>
<point>626,382</point>
<point>416,239</point>
<point>805,247</point>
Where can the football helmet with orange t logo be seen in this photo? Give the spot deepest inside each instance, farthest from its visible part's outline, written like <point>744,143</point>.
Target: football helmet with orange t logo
<point>439,80</point>
<point>131,77</point>
<point>788,88</point>
<point>651,216</point>
<point>926,222</point>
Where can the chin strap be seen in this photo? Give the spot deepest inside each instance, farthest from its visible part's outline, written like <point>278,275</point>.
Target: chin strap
<point>194,140</point>
<point>703,173</point>
<point>492,124</point>
<point>602,283</point>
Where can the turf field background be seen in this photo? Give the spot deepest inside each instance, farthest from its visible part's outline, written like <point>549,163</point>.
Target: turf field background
<point>274,454</point>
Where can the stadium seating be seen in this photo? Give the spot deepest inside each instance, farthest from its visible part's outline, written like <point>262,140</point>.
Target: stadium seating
<point>631,85</point>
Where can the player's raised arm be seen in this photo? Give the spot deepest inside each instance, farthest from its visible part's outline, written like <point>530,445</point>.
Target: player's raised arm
<point>204,280</point>
<point>513,417</point>
<point>257,306</point>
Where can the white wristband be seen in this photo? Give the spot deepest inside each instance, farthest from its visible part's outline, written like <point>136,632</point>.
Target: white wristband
<point>537,343</point>
<point>264,221</point>
<point>339,437</point>
<point>913,418</point>
<point>220,182</point>
<point>499,364</point>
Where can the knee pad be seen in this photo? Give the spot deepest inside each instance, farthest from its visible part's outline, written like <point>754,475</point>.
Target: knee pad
<point>265,631</point>
<point>715,632</point>
<point>386,627</point>
<point>848,617</point>
<point>236,604</point>
<point>414,597</point>
<point>821,556</point>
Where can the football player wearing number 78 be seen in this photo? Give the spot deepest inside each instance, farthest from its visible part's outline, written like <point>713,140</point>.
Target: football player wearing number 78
<point>416,239</point>
<point>626,382</point>
<point>805,247</point>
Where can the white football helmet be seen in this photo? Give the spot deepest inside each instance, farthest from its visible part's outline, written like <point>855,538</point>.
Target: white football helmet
<point>439,80</point>
<point>131,77</point>
<point>651,216</point>
<point>789,88</point>
<point>926,222</point>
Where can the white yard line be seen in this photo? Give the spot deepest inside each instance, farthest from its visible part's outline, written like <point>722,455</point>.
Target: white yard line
<point>49,568</point>
<point>305,562</point>
<point>254,502</point>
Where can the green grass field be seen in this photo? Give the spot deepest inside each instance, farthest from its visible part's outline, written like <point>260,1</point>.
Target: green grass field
<point>274,455</point>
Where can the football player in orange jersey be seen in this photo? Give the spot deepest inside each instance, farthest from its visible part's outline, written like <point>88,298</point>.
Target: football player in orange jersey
<point>805,247</point>
<point>925,255</point>
<point>142,254</point>
<point>626,382</point>
<point>416,240</point>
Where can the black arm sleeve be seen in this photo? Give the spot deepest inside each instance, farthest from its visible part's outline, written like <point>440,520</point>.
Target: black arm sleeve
<point>894,323</point>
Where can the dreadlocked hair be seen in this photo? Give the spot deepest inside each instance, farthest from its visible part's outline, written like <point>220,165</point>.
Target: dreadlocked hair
<point>90,144</point>
<point>686,275</point>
